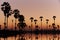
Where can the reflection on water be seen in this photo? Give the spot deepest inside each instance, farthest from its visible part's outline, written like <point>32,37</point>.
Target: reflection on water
<point>33,37</point>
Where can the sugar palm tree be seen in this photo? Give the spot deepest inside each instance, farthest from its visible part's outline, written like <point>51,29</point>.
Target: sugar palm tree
<point>54,18</point>
<point>31,18</point>
<point>5,8</point>
<point>54,37</point>
<point>21,18</point>
<point>9,14</point>
<point>16,13</point>
<point>35,22</point>
<point>21,23</point>
<point>53,25</point>
<point>47,22</point>
<point>41,17</point>
<point>47,27</point>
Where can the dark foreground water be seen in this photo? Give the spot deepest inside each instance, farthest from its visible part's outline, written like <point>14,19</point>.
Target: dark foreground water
<point>33,37</point>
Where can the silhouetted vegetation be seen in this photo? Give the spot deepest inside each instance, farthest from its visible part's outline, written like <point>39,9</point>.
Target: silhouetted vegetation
<point>22,26</point>
<point>41,20</point>
<point>6,8</point>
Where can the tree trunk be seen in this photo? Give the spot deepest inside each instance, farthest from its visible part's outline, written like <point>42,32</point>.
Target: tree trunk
<point>31,27</point>
<point>15,24</point>
<point>41,25</point>
<point>12,23</point>
<point>7,22</point>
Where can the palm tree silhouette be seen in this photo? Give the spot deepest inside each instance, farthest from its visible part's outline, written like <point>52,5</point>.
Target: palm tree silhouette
<point>21,18</point>
<point>53,25</point>
<point>47,28</point>
<point>47,22</point>
<point>50,27</point>
<point>31,18</point>
<point>21,23</point>
<point>5,8</point>
<point>16,13</point>
<point>35,22</point>
<point>54,18</point>
<point>8,16</point>
<point>41,20</point>
<point>54,37</point>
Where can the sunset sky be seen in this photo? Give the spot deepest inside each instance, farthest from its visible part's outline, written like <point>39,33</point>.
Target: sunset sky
<point>34,8</point>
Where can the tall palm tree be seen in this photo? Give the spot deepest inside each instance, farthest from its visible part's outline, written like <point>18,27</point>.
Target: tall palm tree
<point>31,18</point>
<point>54,18</point>
<point>41,17</point>
<point>8,16</point>
<point>21,18</point>
<point>47,27</point>
<point>47,22</point>
<point>35,22</point>
<point>16,13</point>
<point>53,25</point>
<point>5,8</point>
<point>21,23</point>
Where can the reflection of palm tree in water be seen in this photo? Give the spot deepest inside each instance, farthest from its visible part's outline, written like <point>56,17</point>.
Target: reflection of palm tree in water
<point>47,24</point>
<point>15,37</point>
<point>36,38</point>
<point>41,36</point>
<point>5,38</point>
<point>58,37</point>
<point>54,37</point>
<point>49,38</point>
<point>21,38</point>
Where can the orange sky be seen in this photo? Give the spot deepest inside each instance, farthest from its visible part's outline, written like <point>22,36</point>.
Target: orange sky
<point>34,8</point>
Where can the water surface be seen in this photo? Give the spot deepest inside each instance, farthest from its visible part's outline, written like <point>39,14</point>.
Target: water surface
<point>33,37</point>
